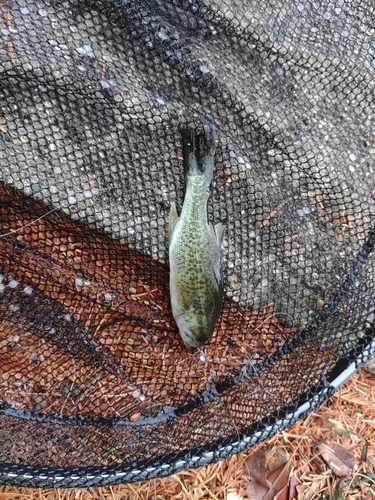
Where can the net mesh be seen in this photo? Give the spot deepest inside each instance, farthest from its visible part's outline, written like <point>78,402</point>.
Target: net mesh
<point>96,386</point>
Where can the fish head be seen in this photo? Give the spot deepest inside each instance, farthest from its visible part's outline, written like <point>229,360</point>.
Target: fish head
<point>193,329</point>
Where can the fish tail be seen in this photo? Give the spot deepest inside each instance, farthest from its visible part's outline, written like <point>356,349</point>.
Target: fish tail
<point>199,151</point>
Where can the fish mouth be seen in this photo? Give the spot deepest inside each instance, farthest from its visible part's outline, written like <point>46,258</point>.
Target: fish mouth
<point>202,339</point>
<point>192,342</point>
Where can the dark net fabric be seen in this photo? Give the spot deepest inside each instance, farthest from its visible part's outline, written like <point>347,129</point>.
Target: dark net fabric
<point>96,386</point>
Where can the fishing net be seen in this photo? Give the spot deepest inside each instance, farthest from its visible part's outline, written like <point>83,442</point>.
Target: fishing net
<point>96,386</point>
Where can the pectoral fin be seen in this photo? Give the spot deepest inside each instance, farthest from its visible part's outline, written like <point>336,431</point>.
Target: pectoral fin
<point>220,228</point>
<point>173,218</point>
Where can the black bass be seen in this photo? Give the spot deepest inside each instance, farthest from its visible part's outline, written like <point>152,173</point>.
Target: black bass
<point>196,282</point>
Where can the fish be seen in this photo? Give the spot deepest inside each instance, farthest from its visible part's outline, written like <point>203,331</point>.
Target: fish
<point>196,279</point>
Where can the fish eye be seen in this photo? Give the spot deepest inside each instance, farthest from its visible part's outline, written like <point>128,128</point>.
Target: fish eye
<point>202,338</point>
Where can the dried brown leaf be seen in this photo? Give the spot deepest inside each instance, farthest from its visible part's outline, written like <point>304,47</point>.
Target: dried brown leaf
<point>256,466</point>
<point>256,491</point>
<point>283,494</point>
<point>277,456</point>
<point>279,477</point>
<point>308,491</point>
<point>339,459</point>
<point>293,483</point>
<point>265,483</point>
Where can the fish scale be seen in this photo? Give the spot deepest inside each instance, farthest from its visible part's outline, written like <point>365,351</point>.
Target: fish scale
<point>196,283</point>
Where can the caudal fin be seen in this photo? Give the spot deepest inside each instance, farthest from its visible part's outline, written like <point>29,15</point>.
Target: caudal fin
<point>199,151</point>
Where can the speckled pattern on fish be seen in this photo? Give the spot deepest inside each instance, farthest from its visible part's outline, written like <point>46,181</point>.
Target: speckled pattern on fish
<point>196,283</point>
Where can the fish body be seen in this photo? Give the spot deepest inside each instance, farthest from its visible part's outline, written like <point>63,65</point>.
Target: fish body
<point>196,282</point>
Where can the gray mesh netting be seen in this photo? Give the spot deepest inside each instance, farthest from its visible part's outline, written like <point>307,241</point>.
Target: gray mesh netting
<point>96,386</point>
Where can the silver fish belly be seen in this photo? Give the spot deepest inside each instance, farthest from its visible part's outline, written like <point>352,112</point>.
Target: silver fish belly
<point>196,283</point>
